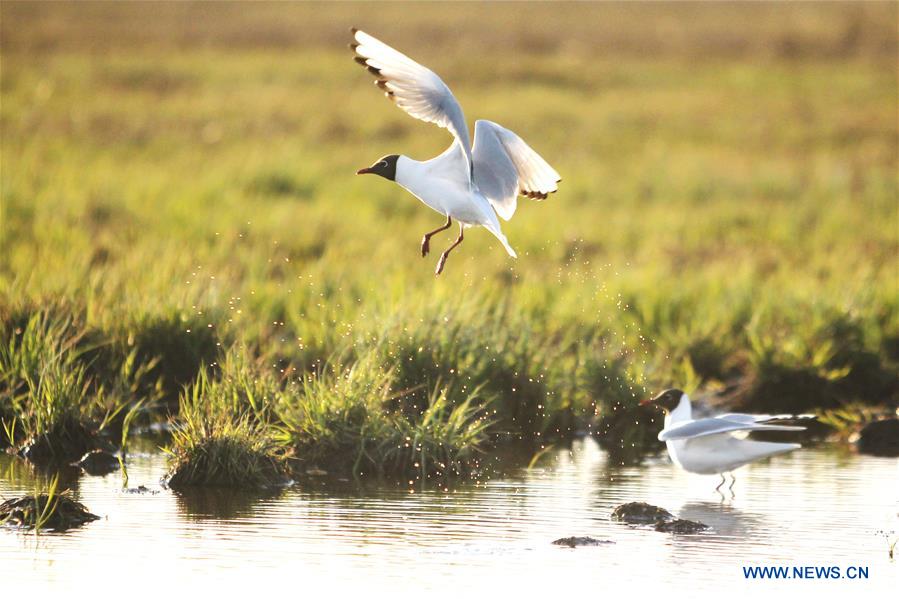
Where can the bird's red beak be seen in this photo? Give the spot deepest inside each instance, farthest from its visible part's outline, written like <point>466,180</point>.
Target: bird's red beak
<point>364,171</point>
<point>645,402</point>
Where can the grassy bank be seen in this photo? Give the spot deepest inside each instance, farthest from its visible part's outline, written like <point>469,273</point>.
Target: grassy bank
<point>177,187</point>
<point>61,388</point>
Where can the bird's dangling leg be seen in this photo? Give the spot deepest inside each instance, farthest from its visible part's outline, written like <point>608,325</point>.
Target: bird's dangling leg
<point>426,240</point>
<point>445,254</point>
<point>723,480</point>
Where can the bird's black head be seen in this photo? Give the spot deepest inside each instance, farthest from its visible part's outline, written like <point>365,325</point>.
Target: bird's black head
<point>667,399</point>
<point>385,167</point>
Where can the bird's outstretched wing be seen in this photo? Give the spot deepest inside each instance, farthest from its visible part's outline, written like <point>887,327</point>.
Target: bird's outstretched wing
<point>412,87</point>
<point>737,417</point>
<point>718,425</point>
<point>505,166</point>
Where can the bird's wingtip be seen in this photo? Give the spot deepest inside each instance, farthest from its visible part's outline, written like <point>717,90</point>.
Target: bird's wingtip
<point>354,30</point>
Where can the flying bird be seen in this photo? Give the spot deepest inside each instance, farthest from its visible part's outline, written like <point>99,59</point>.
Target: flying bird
<point>472,183</point>
<point>718,444</point>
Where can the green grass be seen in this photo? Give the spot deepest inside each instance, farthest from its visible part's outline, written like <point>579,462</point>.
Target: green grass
<point>222,436</point>
<point>726,221</point>
<point>240,425</point>
<point>49,407</point>
<point>443,442</point>
<point>351,419</point>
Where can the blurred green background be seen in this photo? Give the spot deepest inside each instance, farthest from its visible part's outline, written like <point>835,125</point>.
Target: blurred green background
<point>727,218</point>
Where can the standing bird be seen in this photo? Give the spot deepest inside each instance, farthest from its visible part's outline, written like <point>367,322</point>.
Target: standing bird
<point>465,182</point>
<point>716,445</point>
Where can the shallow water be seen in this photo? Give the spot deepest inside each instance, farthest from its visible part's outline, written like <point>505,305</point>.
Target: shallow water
<point>816,507</point>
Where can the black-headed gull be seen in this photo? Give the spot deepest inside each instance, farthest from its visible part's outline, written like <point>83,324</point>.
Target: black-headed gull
<point>718,444</point>
<point>471,183</point>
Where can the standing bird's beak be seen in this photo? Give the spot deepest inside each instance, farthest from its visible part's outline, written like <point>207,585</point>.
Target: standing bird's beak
<point>364,171</point>
<point>667,400</point>
<point>657,400</point>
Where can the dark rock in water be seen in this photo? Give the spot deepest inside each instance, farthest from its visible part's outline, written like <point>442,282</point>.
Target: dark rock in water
<point>581,542</point>
<point>98,462</point>
<point>638,512</point>
<point>53,513</point>
<point>680,526</point>
<point>60,446</point>
<point>880,438</point>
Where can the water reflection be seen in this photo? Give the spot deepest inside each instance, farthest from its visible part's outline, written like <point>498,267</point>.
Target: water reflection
<point>725,520</point>
<point>22,473</point>
<point>220,504</point>
<point>492,534</point>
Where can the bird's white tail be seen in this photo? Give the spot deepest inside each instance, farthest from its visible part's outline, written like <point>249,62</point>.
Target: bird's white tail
<point>756,450</point>
<point>502,239</point>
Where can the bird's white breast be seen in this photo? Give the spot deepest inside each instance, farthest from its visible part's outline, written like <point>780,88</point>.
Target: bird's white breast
<point>441,184</point>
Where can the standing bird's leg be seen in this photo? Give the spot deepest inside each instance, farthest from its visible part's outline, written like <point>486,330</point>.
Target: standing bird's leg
<point>426,240</point>
<point>444,255</point>
<point>723,480</point>
<point>733,481</point>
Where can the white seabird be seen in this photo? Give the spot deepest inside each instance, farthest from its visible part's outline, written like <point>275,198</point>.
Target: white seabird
<point>471,183</point>
<point>718,444</point>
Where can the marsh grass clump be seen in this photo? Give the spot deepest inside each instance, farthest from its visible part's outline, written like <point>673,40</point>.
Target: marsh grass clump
<point>53,410</point>
<point>348,419</point>
<point>468,346</point>
<point>45,510</point>
<point>51,418</point>
<point>337,417</point>
<point>224,451</point>
<point>223,433</point>
<point>444,441</point>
